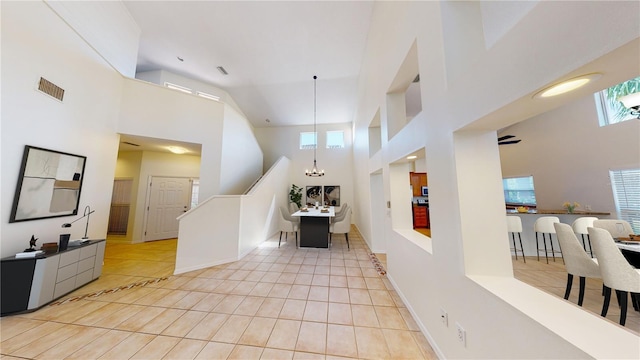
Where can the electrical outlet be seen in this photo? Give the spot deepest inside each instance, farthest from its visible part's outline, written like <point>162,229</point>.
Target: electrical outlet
<point>462,335</point>
<point>444,317</point>
<point>587,207</point>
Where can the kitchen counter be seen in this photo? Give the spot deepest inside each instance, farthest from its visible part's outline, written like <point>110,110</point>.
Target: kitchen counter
<point>530,217</point>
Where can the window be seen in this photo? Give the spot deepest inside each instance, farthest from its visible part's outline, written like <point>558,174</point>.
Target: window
<point>626,194</point>
<point>610,110</point>
<point>178,87</point>
<point>308,140</point>
<point>208,96</point>
<point>335,139</point>
<point>519,191</point>
<point>195,192</point>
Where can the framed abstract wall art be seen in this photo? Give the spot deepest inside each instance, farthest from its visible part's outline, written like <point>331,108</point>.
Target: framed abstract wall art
<point>49,184</point>
<point>332,195</point>
<point>314,193</point>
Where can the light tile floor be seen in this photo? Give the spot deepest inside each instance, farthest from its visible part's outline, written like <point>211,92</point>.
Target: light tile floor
<point>276,303</point>
<point>552,278</point>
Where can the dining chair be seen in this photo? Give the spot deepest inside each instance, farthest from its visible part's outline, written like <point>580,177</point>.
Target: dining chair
<point>343,208</point>
<point>580,226</point>
<point>342,226</point>
<point>340,214</point>
<point>616,272</point>
<point>616,227</point>
<point>287,225</point>
<point>293,207</point>
<point>514,226</point>
<point>576,260</point>
<point>544,225</point>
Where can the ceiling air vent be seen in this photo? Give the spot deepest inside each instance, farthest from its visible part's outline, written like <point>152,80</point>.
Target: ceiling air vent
<point>50,89</point>
<point>130,143</point>
<point>222,70</point>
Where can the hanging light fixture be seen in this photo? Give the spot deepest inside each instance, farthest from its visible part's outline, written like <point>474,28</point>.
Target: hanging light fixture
<point>314,172</point>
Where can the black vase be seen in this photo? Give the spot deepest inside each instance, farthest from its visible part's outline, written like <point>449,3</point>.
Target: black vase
<point>64,242</point>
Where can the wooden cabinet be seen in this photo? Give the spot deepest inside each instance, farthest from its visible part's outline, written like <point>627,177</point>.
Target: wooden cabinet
<point>421,217</point>
<point>418,180</point>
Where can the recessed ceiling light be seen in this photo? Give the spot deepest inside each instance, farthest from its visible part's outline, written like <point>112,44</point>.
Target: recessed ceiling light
<point>222,70</point>
<point>177,149</point>
<point>179,58</point>
<point>567,85</point>
<point>412,157</point>
<point>267,120</point>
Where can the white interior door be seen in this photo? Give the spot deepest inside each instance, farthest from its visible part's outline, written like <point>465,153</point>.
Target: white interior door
<point>168,199</point>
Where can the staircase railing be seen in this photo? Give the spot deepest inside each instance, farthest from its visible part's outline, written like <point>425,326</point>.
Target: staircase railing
<point>225,228</point>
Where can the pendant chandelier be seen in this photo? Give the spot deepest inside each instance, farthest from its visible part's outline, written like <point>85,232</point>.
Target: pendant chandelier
<point>314,171</point>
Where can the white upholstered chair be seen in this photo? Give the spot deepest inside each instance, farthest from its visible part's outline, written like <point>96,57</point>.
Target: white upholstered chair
<point>287,224</point>
<point>616,272</point>
<point>514,226</point>
<point>339,216</point>
<point>576,259</point>
<point>293,207</point>
<point>544,226</point>
<point>617,228</point>
<point>580,226</point>
<point>343,208</point>
<point>341,226</point>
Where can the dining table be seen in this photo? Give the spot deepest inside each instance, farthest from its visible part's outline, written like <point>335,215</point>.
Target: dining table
<point>314,225</point>
<point>630,250</point>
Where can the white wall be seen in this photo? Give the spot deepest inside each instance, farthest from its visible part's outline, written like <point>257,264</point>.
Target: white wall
<point>242,157</point>
<point>496,83</point>
<point>567,143</point>
<point>159,77</point>
<point>337,163</point>
<point>263,202</point>
<point>108,27</point>
<point>155,111</point>
<point>37,43</point>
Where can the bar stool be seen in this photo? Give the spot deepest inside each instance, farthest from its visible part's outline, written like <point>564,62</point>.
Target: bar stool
<point>514,226</point>
<point>580,226</point>
<point>544,225</point>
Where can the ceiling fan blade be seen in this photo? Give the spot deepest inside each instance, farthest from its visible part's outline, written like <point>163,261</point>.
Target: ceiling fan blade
<point>509,142</point>
<point>506,137</point>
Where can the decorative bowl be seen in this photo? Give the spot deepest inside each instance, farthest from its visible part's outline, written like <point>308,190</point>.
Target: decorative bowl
<point>522,209</point>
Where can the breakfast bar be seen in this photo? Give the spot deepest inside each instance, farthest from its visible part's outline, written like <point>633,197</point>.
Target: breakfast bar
<point>529,217</point>
<point>314,226</point>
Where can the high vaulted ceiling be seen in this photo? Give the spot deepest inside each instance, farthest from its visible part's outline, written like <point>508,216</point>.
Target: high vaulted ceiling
<point>271,51</point>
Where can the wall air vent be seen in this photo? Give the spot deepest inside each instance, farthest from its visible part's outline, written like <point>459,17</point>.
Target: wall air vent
<point>50,89</point>
<point>130,143</point>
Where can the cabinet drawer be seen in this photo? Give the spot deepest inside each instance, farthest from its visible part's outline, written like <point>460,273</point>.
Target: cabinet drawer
<point>69,257</point>
<point>84,277</point>
<point>86,264</point>
<point>88,251</point>
<point>66,272</point>
<point>65,287</point>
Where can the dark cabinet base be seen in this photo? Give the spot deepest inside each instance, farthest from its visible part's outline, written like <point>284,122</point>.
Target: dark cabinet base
<point>17,275</point>
<point>314,232</point>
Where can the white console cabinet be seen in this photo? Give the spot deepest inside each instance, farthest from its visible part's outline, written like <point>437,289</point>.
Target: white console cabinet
<point>56,275</point>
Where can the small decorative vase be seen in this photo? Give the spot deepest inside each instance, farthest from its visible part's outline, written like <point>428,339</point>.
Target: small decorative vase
<point>569,209</point>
